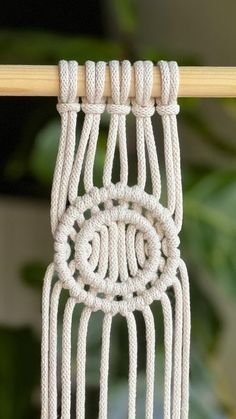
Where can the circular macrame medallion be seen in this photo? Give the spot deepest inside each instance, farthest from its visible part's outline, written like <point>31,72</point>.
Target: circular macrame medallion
<point>84,222</point>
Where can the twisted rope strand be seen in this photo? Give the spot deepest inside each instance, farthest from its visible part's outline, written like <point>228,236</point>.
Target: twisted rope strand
<point>178,327</point>
<point>45,339</point>
<point>186,340</point>
<point>168,338</point>
<point>150,362</point>
<point>54,303</point>
<point>104,369</point>
<point>81,363</point>
<point>168,108</point>
<point>66,359</point>
<point>133,353</point>
<point>68,107</point>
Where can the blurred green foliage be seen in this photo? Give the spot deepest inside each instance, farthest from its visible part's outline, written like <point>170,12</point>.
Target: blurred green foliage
<point>32,47</point>
<point>208,238</point>
<point>19,372</point>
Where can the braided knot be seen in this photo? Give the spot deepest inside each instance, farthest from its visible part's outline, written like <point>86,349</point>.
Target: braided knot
<point>143,111</point>
<point>68,107</point>
<point>93,108</point>
<point>112,108</point>
<point>170,109</point>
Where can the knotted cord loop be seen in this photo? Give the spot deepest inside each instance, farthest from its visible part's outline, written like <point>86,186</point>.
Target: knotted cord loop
<point>113,108</point>
<point>68,71</point>
<point>68,100</point>
<point>168,108</point>
<point>93,108</point>
<point>143,111</point>
<point>170,86</point>
<point>93,105</point>
<point>68,107</point>
<point>172,109</point>
<point>118,107</point>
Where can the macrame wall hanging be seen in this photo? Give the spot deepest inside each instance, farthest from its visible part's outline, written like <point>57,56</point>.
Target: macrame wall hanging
<point>116,248</point>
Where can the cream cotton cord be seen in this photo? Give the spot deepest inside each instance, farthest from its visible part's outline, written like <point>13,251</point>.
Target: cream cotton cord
<point>116,247</point>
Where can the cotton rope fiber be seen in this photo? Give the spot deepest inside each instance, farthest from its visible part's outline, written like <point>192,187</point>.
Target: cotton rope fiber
<point>116,247</point>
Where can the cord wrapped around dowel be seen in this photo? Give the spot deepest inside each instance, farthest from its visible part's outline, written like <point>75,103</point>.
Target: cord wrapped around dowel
<point>116,248</point>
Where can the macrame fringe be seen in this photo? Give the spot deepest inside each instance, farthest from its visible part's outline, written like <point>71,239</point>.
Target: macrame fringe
<point>116,248</point>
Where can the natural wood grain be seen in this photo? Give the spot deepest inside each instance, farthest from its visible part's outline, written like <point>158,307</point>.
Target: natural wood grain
<point>38,80</point>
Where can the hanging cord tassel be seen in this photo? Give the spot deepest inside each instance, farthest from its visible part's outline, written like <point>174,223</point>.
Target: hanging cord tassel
<point>168,108</point>
<point>68,107</point>
<point>93,107</point>
<point>143,109</point>
<point>116,248</point>
<point>118,107</point>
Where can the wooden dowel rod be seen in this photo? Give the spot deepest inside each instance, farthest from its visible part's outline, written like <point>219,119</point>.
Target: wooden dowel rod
<point>43,80</point>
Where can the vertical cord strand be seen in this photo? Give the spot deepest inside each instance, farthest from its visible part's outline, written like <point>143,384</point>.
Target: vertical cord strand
<point>104,369</point>
<point>168,338</point>
<point>45,340</point>
<point>133,353</point>
<point>150,362</point>
<point>81,363</point>
<point>66,359</point>
<point>186,340</point>
<point>54,303</point>
<point>177,338</point>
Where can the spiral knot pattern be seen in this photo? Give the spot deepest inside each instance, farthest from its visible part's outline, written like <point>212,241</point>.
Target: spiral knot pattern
<point>82,236</point>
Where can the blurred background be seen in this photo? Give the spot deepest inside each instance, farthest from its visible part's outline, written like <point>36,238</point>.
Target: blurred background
<point>196,33</point>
